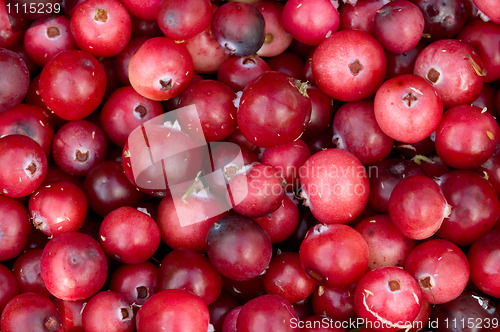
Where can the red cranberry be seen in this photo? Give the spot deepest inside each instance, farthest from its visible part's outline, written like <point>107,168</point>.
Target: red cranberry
<point>129,236</point>
<point>180,311</point>
<point>484,262</point>
<point>277,40</point>
<point>23,163</point>
<point>101,27</point>
<point>137,282</point>
<point>220,309</point>
<point>181,20</point>
<point>108,311</point>
<point>191,271</point>
<point>387,299</point>
<point>336,302</point>
<point>418,207</point>
<point>13,90</point>
<point>145,10</point>
<point>15,228</point>
<point>334,255</point>
<point>238,248</point>
<point>26,270</point>
<point>9,286</point>
<point>73,266</point>
<point>237,72</point>
<point>360,15</point>
<point>349,66</point>
<point>71,312</point>
<point>442,19</point>
<point>334,175</point>
<point>42,313</point>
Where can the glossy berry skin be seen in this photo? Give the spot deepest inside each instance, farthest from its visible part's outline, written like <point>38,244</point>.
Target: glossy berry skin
<point>266,313</point>
<point>336,302</point>
<point>181,20</point>
<point>403,16</point>
<point>466,137</point>
<point>442,19</point>
<point>286,278</point>
<point>101,27</point>
<point>388,297</point>
<point>277,40</point>
<point>129,235</point>
<point>23,163</point>
<point>475,207</point>
<point>418,207</point>
<point>108,311</point>
<point>123,111</point>
<point>237,71</point>
<point>453,68</point>
<point>58,207</point>
<point>12,92</point>
<point>489,8</point>
<point>484,263</point>
<point>137,282</point>
<point>349,66</point>
<point>71,312</point>
<point>26,270</point>
<point>334,255</point>
<point>214,107</point>
<point>162,80</point>
<point>239,28</point>
<point>238,248</point>
<point>31,312</point>
<point>173,310</point>
<point>310,22</point>
<point>257,192</point>
<point>407,108</point>
<point>273,110</point>
<point>14,226</point>
<point>334,175</point>
<point>387,245</point>
<point>73,266</point>
<point>441,269</point>
<point>356,130</point>
<point>79,146</point>
<point>72,84</point>
<point>190,271</point>
<point>48,36</point>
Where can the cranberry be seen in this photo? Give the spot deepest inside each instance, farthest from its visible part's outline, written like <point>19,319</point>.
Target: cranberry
<point>215,109</point>
<point>466,136</point>
<point>108,311</point>
<point>58,207</point>
<point>181,20</point>
<point>13,90</point>
<point>310,22</point>
<point>79,146</point>
<point>404,16</point>
<point>101,27</point>
<point>453,68</point>
<point>173,310</point>
<point>23,163</point>
<point>48,36</point>
<point>231,320</point>
<point>136,282</point>
<point>238,248</point>
<point>322,111</point>
<point>360,15</point>
<point>402,63</point>
<point>349,66</point>
<point>162,80</point>
<point>191,271</point>
<point>356,130</point>
<point>286,278</point>
<point>287,63</point>
<point>129,236</point>
<point>387,245</point>
<point>336,302</point>
<point>239,28</point>
<point>237,72</point>
<point>442,19</point>
<point>489,8</point>
<point>474,207</point>
<point>72,84</point>
<point>257,192</point>
<point>71,312</point>
<point>334,255</point>
<point>145,10</point>
<point>334,175</point>
<point>387,299</point>
<point>407,108</point>
<point>267,313</point>
<point>220,309</point>
<point>273,110</point>
<point>484,260</point>
<point>73,266</point>
<point>418,207</point>
<point>31,311</point>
